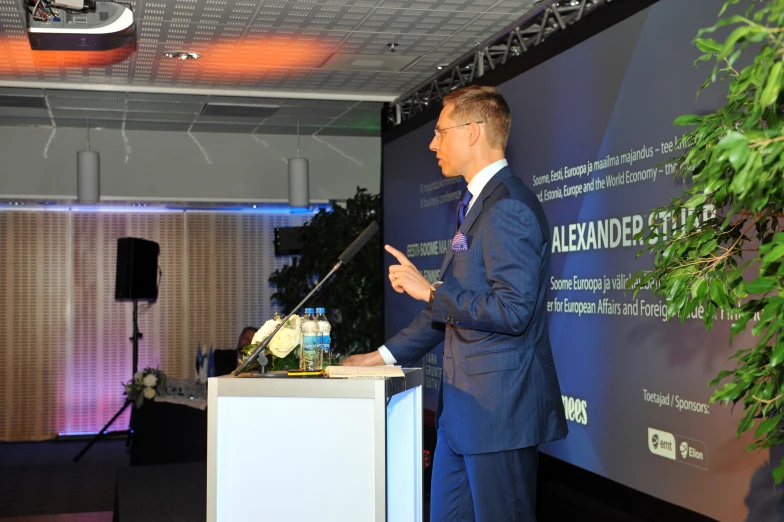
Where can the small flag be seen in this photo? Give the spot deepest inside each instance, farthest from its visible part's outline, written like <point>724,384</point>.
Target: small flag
<point>199,359</point>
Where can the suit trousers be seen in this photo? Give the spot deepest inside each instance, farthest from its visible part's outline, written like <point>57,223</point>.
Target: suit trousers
<point>486,487</point>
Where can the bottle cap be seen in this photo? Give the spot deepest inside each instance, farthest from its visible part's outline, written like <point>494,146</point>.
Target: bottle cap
<point>308,310</point>
<point>320,310</point>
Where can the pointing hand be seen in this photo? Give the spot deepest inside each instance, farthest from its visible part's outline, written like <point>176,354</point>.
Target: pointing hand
<point>406,278</point>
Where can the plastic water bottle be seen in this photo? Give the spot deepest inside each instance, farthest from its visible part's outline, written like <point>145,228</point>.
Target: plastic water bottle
<point>311,355</point>
<point>324,339</point>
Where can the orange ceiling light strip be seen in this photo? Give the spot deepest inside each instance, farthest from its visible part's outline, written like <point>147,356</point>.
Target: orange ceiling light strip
<point>60,60</point>
<point>17,60</point>
<point>246,59</point>
<point>255,55</point>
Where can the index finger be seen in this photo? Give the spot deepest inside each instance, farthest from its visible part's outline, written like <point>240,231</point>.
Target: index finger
<point>401,258</point>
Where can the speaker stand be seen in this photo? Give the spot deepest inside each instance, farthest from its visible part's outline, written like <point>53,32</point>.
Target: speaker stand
<point>135,341</point>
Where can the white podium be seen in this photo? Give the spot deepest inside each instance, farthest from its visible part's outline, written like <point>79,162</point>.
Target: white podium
<point>314,449</point>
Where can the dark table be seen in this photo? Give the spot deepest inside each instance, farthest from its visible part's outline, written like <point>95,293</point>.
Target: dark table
<point>166,433</point>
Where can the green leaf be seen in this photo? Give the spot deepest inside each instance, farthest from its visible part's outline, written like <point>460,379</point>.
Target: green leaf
<point>732,139</point>
<point>687,119</point>
<point>771,91</point>
<point>698,199</point>
<point>723,10</point>
<point>738,153</point>
<point>729,44</point>
<point>699,289</point>
<point>722,375</point>
<point>771,310</point>
<point>739,326</point>
<point>778,355</point>
<point>760,285</point>
<point>708,45</point>
<point>747,422</point>
<point>778,473</point>
<point>767,425</point>
<point>727,392</point>
<point>736,273</point>
<point>718,293</point>
<point>677,286</point>
<point>774,255</point>
<point>708,247</point>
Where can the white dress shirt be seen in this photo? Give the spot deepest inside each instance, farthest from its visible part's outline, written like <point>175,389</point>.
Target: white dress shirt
<point>475,186</point>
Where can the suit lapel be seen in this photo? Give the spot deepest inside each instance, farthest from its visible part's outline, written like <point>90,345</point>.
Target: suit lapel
<point>476,209</point>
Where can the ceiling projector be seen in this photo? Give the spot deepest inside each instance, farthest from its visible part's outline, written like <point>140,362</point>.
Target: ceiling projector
<point>79,25</point>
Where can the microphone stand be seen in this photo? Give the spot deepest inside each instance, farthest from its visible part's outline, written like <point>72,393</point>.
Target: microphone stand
<point>343,258</point>
<point>255,355</point>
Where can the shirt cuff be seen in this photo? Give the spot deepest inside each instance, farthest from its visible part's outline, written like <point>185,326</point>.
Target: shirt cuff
<point>387,355</point>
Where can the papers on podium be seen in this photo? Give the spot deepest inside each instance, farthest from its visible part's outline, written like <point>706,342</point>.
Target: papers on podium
<point>364,372</point>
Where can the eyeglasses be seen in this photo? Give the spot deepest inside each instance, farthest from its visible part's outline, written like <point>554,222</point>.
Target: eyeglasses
<point>438,132</point>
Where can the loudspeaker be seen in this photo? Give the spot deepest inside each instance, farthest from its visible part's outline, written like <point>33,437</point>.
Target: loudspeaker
<point>137,269</point>
<point>288,241</point>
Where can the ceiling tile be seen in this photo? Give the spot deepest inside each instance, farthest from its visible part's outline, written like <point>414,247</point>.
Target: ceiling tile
<point>250,46</point>
<point>24,122</point>
<point>320,112</point>
<point>223,127</point>
<point>158,116</point>
<point>94,102</point>
<point>157,126</point>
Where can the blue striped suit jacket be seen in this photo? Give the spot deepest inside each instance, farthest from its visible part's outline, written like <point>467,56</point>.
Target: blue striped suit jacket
<point>499,390</point>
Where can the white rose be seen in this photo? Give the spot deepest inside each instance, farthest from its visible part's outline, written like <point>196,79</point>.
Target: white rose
<point>295,321</point>
<point>137,377</point>
<point>264,332</point>
<point>149,393</point>
<point>150,380</point>
<point>284,341</point>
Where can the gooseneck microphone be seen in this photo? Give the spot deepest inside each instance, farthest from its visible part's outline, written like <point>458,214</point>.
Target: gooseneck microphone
<point>347,255</point>
<point>358,243</point>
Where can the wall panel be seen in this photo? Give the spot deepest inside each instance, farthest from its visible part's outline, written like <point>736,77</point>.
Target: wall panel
<point>65,348</point>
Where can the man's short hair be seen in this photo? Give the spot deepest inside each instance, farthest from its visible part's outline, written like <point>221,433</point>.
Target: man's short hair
<point>246,329</point>
<point>485,104</point>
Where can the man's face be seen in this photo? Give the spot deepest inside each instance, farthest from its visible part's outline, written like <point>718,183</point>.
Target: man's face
<point>451,145</point>
<point>246,338</point>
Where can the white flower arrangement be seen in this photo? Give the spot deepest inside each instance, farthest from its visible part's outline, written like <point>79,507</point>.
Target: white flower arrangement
<point>287,338</point>
<point>146,384</point>
<point>283,347</point>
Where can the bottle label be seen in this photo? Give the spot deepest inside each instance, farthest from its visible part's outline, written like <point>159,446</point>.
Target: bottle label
<point>310,342</point>
<point>325,341</point>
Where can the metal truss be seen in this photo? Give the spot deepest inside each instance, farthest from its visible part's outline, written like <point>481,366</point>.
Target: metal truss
<point>540,23</point>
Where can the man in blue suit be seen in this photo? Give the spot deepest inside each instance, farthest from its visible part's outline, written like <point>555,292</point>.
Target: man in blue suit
<point>500,396</point>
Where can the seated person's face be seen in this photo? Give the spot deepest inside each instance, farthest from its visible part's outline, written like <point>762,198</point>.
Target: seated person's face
<point>246,338</point>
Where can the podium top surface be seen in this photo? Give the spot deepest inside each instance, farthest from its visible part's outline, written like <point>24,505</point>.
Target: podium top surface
<point>258,385</point>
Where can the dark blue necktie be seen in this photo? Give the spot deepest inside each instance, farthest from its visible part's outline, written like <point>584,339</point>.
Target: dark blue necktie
<point>463,209</point>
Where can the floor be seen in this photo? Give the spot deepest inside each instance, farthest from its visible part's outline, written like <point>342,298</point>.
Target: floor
<point>39,482</point>
<point>100,516</point>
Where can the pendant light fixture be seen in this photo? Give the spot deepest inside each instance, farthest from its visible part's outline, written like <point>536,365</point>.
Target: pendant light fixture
<point>299,179</point>
<point>88,173</point>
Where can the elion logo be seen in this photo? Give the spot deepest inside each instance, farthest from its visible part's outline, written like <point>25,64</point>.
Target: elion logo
<point>576,409</point>
<point>688,451</point>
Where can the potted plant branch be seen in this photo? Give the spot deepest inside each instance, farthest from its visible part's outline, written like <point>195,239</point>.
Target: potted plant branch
<point>727,255</point>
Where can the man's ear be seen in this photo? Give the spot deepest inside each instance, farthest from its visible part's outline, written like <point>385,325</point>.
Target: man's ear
<point>475,133</point>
